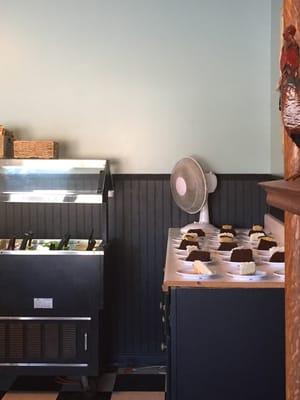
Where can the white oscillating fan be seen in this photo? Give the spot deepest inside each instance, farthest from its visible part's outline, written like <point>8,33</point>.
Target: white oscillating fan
<point>190,187</point>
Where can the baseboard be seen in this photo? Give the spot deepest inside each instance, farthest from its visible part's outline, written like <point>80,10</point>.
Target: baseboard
<point>132,360</point>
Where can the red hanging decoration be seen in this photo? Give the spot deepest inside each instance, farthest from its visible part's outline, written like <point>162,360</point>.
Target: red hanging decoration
<point>290,84</point>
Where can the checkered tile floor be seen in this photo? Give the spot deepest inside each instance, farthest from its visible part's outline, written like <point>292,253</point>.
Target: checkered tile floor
<point>121,385</point>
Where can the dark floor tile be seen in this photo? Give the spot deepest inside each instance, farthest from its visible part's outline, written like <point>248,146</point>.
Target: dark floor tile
<point>83,396</point>
<point>140,383</point>
<point>36,383</point>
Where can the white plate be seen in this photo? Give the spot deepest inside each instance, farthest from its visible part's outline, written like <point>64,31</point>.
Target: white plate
<point>279,273</point>
<point>258,263</point>
<point>264,255</point>
<point>224,257</point>
<point>233,263</point>
<point>258,275</point>
<point>190,263</point>
<point>242,230</point>
<point>242,233</point>
<point>190,274</point>
<point>176,241</point>
<point>276,264</point>
<point>256,260</point>
<point>180,252</point>
<point>244,242</point>
<point>221,252</point>
<point>213,241</point>
<point>213,247</point>
<point>176,245</point>
<point>261,253</point>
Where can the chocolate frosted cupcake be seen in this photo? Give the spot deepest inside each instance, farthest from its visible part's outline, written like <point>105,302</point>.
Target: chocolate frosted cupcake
<point>256,229</point>
<point>199,232</point>
<point>277,254</point>
<point>190,236</point>
<point>225,234</point>
<point>184,243</point>
<point>227,228</point>
<point>241,255</point>
<point>266,242</point>
<point>227,246</point>
<point>201,255</point>
<point>256,236</point>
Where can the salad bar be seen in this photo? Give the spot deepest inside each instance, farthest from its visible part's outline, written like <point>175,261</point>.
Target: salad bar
<point>66,245</point>
<point>52,289</point>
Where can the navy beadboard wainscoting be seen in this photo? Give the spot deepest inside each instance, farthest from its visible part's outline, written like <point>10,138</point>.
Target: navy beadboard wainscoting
<point>139,216</point>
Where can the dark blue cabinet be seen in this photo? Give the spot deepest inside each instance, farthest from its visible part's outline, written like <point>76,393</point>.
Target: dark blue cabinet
<point>226,344</point>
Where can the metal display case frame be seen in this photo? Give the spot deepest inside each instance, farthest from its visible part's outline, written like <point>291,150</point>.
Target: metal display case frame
<point>52,302</point>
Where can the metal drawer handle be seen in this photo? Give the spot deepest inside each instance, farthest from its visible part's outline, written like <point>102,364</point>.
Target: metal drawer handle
<point>85,341</point>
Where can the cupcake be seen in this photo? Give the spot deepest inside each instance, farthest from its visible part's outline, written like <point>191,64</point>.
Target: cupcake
<point>240,254</point>
<point>266,242</point>
<point>277,254</point>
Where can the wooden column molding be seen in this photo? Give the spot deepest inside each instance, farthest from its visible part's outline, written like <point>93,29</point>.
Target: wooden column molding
<point>291,16</point>
<point>292,306</point>
<point>285,194</point>
<point>287,197</point>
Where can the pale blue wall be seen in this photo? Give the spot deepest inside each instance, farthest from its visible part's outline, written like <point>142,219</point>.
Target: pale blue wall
<point>141,81</point>
<point>276,127</point>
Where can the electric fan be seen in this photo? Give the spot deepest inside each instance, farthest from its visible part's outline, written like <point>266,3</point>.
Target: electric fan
<point>190,187</point>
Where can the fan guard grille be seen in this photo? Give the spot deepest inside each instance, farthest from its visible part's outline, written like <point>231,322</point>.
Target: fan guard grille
<point>188,185</point>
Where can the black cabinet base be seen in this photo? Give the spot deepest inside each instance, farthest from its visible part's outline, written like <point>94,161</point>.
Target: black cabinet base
<point>226,344</point>
<point>51,314</point>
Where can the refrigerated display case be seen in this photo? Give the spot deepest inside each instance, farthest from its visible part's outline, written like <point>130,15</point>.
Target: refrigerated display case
<point>52,291</point>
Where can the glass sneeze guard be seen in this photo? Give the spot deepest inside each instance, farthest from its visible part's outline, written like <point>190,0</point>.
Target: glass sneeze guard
<point>54,181</point>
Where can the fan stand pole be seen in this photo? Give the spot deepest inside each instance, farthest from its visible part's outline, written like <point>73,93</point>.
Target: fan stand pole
<point>204,214</point>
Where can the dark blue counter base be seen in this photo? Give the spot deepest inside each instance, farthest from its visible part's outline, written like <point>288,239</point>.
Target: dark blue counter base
<point>226,344</point>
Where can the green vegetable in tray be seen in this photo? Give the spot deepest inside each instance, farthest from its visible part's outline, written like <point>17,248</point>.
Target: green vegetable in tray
<point>50,245</point>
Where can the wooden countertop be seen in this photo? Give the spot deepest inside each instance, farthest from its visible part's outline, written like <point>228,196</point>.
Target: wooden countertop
<point>221,280</point>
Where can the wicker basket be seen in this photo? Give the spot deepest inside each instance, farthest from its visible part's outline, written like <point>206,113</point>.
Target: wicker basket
<point>35,149</point>
<point>6,143</point>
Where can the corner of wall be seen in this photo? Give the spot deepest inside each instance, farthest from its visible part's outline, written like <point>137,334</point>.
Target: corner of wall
<point>276,139</point>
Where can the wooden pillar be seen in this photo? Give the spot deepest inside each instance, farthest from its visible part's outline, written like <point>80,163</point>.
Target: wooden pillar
<point>291,15</point>
<point>292,305</point>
